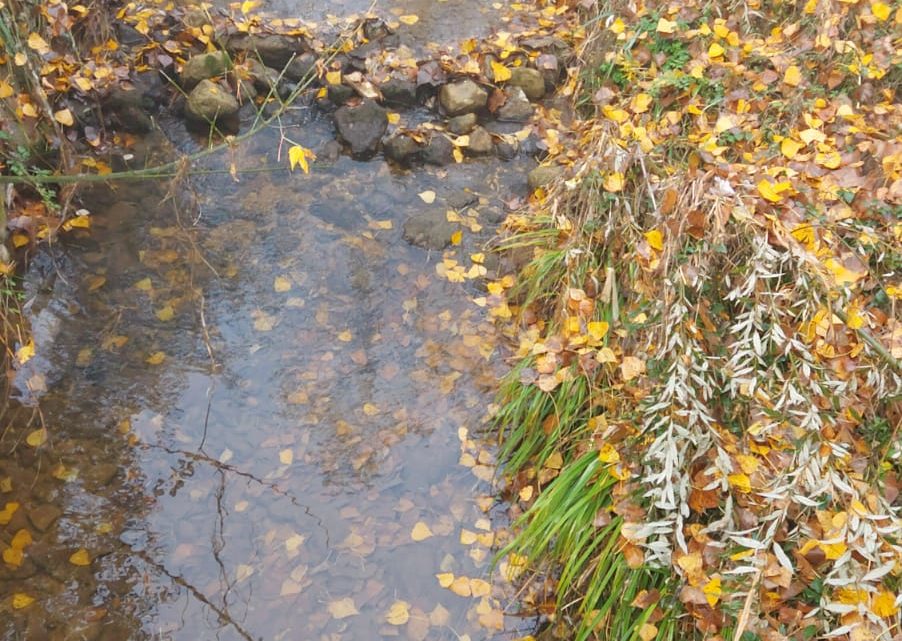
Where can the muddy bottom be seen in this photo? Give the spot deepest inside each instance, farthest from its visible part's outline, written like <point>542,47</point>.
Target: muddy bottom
<point>250,411</point>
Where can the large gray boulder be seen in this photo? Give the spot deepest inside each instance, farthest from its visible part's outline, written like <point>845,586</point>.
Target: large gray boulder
<point>204,66</point>
<point>531,81</point>
<point>361,126</point>
<point>209,102</point>
<point>461,97</point>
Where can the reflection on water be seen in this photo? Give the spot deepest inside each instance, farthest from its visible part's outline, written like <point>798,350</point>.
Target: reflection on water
<point>255,396</point>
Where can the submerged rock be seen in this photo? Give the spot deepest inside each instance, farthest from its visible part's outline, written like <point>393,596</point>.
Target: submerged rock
<point>439,151</point>
<point>481,143</point>
<point>400,148</point>
<point>203,67</point>
<point>464,124</point>
<point>300,67</point>
<point>273,50</point>
<point>543,175</point>
<point>507,148</point>
<point>361,127</point>
<point>209,102</point>
<point>517,107</point>
<point>463,96</point>
<point>398,91</point>
<point>530,80</point>
<point>339,94</point>
<point>429,231</point>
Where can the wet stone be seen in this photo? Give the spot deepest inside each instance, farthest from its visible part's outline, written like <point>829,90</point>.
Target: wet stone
<point>44,516</point>
<point>464,124</point>
<point>530,80</point>
<point>507,149</point>
<point>481,143</point>
<point>204,66</point>
<point>398,91</point>
<point>429,231</point>
<point>516,107</point>
<point>361,127</point>
<point>439,151</point>
<point>209,102</point>
<point>99,474</point>
<point>464,96</point>
<point>461,199</point>
<point>400,148</point>
<point>339,94</point>
<point>543,175</point>
<point>273,50</point>
<point>262,76</point>
<point>550,68</point>
<point>300,67</point>
<point>329,151</point>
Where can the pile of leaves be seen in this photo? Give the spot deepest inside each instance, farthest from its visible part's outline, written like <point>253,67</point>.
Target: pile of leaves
<point>702,424</point>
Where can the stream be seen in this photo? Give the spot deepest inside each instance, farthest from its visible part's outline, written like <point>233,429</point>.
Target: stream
<point>260,402</point>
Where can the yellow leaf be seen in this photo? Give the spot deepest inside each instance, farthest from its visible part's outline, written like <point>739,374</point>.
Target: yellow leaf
<point>712,590</point>
<point>648,632</point>
<point>6,89</point>
<point>665,25</point>
<point>456,237</point>
<point>631,367</point>
<point>597,330</point>
<point>21,540</point>
<point>830,159</point>
<point>409,19</point>
<point>80,558</point>
<point>832,550</point>
<point>398,613</point>
<point>607,454</point>
<point>883,604</point>
<point>741,482</point>
<point>445,579</point>
<point>156,358</point>
<point>165,313</point>
<point>281,284</point>
<point>6,514</point>
<point>24,353</point>
<point>333,77</point>
<point>64,117</point>
<point>297,156</point>
<point>370,410</point>
<point>345,336</point>
<point>427,196</point>
<point>790,147</point>
<point>881,10</point>
<point>420,531</point>
<point>37,43</point>
<point>618,26</point>
<point>655,239</point>
<point>37,437</point>
<point>84,84</point>
<point>461,586</point>
<point>715,50</point>
<point>21,600</point>
<point>13,557</point>
<point>145,285</point>
<point>640,103</point>
<point>342,608</point>
<point>771,191</point>
<point>78,222</point>
<point>286,456</point>
<point>792,76</point>
<point>479,588</point>
<point>749,464</point>
<point>841,274</point>
<point>248,5</point>
<point>500,72</point>
<point>613,182</point>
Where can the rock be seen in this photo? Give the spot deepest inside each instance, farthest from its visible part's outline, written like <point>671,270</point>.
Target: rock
<point>129,109</point>
<point>429,231</point>
<point>128,36</point>
<point>362,127</point>
<point>542,176</point>
<point>272,49</point>
<point>530,80</point>
<point>329,152</point>
<point>99,474</point>
<point>439,151</point>
<point>461,199</point>
<point>374,28</point>
<point>245,91</point>
<point>460,125</point>
<point>340,94</point>
<point>300,67</point>
<point>400,148</point>
<point>262,76</point>
<point>43,516</point>
<point>398,91</point>
<point>203,67</point>
<point>550,68</point>
<point>463,96</point>
<point>208,102</point>
<point>507,148</point>
<point>516,108</point>
<point>481,143</point>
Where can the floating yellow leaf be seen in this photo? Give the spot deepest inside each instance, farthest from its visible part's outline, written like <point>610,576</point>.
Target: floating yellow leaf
<point>80,558</point>
<point>500,72</point>
<point>409,19</point>
<point>427,196</point>
<point>24,353</point>
<point>345,336</point>
<point>6,514</point>
<point>445,579</point>
<point>342,608</point>
<point>461,586</point>
<point>165,313</point>
<point>655,239</point>
<point>420,531</point>
<point>21,600</point>
<point>64,117</point>
<point>286,456</point>
<point>398,613</point>
<point>145,285</point>
<point>156,358</point>
<point>740,482</point>
<point>479,588</point>
<point>37,437</point>
<point>613,182</point>
<point>792,76</point>
<point>456,237</point>
<point>281,284</point>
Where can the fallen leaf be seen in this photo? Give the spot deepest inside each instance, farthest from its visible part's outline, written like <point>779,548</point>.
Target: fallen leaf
<point>21,600</point>
<point>80,558</point>
<point>281,284</point>
<point>398,613</point>
<point>409,19</point>
<point>500,72</point>
<point>420,531</point>
<point>792,76</point>
<point>286,456</point>
<point>37,437</point>
<point>427,196</point>
<point>156,358</point>
<point>64,117</point>
<point>343,608</point>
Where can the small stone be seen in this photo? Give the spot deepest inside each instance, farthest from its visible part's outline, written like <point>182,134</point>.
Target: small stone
<point>439,151</point>
<point>542,176</point>
<point>400,148</point>
<point>550,68</point>
<point>100,474</point>
<point>481,143</point>
<point>530,80</point>
<point>374,28</point>
<point>208,102</point>
<point>272,49</point>
<point>429,231</point>
<point>463,96</point>
<point>340,94</point>
<point>300,67</point>
<point>516,107</point>
<point>398,91</point>
<point>507,149</point>
<point>203,67</point>
<point>461,199</point>
<point>329,152</point>
<point>43,516</point>
<point>262,76</point>
<point>362,127</point>
<point>464,124</point>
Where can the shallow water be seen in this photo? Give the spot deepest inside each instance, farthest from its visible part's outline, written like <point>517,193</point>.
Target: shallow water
<point>256,394</point>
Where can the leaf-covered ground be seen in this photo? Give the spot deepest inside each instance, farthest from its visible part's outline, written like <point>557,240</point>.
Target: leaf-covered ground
<point>702,420</point>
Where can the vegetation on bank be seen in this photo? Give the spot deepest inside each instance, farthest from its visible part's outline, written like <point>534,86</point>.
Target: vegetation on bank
<point>702,423</point>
